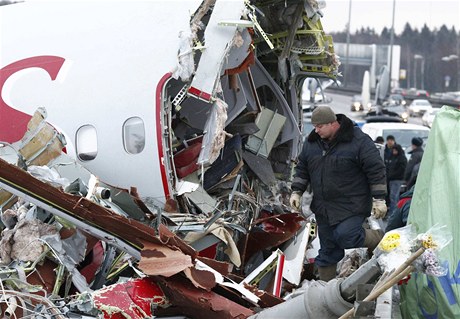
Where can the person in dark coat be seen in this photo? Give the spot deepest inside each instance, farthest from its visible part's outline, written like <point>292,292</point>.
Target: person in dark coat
<point>396,167</point>
<point>399,217</point>
<point>388,147</point>
<point>413,176</point>
<point>347,178</point>
<point>379,140</point>
<point>415,158</point>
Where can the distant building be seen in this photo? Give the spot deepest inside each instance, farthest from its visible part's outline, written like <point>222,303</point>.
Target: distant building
<point>368,57</point>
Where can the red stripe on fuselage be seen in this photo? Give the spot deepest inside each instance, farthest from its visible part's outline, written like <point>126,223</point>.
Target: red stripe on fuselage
<point>161,158</point>
<point>13,123</point>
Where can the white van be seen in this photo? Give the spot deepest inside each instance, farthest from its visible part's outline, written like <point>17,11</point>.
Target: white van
<point>402,132</point>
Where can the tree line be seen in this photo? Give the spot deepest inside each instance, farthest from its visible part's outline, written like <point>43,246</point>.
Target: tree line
<point>432,45</point>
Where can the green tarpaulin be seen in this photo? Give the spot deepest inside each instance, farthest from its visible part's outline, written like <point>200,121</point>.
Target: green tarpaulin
<point>437,201</point>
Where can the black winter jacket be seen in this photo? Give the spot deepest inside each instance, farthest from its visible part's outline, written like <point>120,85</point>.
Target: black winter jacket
<point>415,158</point>
<point>343,178</point>
<point>396,165</point>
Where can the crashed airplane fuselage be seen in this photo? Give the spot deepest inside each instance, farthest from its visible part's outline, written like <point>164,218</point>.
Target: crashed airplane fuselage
<point>134,85</point>
<point>179,120</point>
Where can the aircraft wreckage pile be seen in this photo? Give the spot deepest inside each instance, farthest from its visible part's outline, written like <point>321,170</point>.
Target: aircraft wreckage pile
<point>222,241</point>
<point>225,244</point>
<point>84,247</point>
<point>75,247</point>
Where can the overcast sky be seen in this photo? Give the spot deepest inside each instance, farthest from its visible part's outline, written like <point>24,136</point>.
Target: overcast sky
<point>377,14</point>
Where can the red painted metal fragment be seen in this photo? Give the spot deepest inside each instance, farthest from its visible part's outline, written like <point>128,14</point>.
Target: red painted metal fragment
<point>131,299</point>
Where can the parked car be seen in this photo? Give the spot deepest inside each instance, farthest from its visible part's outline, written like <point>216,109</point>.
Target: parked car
<point>422,94</point>
<point>403,132</point>
<point>419,106</point>
<point>446,98</point>
<point>356,103</point>
<point>398,91</point>
<point>397,99</point>
<point>414,93</point>
<point>428,117</point>
<point>411,93</point>
<point>381,114</point>
<point>398,110</point>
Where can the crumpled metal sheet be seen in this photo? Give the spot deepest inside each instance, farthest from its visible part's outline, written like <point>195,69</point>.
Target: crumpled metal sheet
<point>161,252</point>
<point>133,299</point>
<point>266,299</point>
<point>158,259</point>
<point>271,231</point>
<point>201,278</point>
<point>198,303</point>
<point>129,230</point>
<point>224,268</point>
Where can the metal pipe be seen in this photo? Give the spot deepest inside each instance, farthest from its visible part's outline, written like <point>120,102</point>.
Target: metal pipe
<point>367,273</point>
<point>325,299</point>
<point>102,193</point>
<point>320,300</point>
<point>12,305</point>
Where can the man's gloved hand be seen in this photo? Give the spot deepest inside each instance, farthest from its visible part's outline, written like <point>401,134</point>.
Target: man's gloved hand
<point>379,208</point>
<point>295,200</point>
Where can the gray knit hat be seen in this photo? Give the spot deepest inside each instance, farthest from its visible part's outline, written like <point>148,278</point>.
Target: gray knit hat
<point>323,115</point>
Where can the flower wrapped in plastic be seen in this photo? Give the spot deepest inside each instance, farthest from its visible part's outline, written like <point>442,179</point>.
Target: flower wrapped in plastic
<point>433,240</point>
<point>395,246</point>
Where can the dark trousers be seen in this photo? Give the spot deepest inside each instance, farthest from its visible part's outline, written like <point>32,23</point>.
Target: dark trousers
<point>334,239</point>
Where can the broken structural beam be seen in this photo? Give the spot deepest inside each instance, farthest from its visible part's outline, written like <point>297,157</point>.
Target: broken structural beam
<point>125,234</point>
<point>197,303</point>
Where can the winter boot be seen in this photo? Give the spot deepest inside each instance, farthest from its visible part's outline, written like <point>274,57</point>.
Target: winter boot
<point>327,273</point>
<point>372,239</point>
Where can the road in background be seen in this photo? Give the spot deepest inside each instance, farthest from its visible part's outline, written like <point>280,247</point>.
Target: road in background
<point>342,104</point>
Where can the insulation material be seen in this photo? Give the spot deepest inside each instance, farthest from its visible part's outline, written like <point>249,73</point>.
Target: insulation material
<point>9,218</point>
<point>214,139</point>
<point>47,175</point>
<point>5,246</point>
<point>27,246</point>
<point>41,143</point>
<point>185,64</point>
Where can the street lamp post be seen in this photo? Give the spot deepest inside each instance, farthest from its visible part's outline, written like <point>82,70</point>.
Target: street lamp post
<point>449,58</point>
<point>392,33</point>
<point>347,65</point>
<point>422,70</point>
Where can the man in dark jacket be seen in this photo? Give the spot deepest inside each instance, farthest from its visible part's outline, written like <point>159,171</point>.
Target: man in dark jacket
<point>415,157</point>
<point>396,166</point>
<point>347,178</point>
<point>389,146</point>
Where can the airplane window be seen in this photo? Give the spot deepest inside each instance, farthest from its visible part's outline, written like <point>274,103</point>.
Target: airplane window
<point>86,143</point>
<point>134,135</point>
